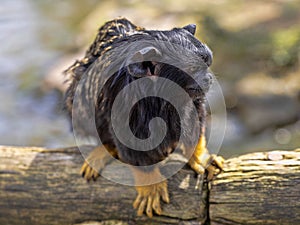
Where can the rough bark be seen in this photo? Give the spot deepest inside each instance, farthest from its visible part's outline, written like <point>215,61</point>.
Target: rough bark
<point>258,188</point>
<point>40,186</point>
<point>43,186</point>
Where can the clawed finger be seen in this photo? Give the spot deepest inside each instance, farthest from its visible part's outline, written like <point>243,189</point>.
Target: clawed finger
<point>141,207</point>
<point>212,171</point>
<point>165,195</point>
<point>88,172</point>
<point>218,161</point>
<point>83,168</point>
<point>149,206</point>
<point>156,204</point>
<point>137,201</point>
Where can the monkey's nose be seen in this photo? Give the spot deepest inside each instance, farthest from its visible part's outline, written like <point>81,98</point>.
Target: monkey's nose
<point>207,79</point>
<point>207,56</point>
<point>207,59</point>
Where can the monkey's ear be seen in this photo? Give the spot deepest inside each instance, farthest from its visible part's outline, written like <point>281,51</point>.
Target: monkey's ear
<point>146,54</point>
<point>190,28</point>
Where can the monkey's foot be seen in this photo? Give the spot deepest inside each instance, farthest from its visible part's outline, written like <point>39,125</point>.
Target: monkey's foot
<point>94,163</point>
<point>88,172</point>
<point>212,163</point>
<point>149,196</point>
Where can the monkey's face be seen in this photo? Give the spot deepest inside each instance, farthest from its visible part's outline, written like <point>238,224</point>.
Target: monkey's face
<point>178,56</point>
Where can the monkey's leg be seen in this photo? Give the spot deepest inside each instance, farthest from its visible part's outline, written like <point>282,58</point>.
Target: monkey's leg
<point>148,198</point>
<point>96,161</point>
<point>201,160</point>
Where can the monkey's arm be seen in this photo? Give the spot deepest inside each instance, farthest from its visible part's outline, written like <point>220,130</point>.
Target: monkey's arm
<point>201,160</point>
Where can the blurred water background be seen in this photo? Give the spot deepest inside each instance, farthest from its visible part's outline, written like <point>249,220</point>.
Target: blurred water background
<point>256,60</point>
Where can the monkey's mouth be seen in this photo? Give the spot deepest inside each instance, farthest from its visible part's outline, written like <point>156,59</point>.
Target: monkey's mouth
<point>145,68</point>
<point>197,90</point>
<point>201,85</point>
<point>152,68</point>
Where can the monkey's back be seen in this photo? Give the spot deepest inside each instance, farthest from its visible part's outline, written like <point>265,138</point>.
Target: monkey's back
<point>108,34</point>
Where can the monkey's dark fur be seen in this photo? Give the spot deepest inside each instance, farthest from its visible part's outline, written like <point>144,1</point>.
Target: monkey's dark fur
<point>86,80</point>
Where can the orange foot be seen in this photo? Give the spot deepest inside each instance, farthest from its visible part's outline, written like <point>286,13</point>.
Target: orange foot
<point>151,187</point>
<point>95,162</point>
<point>148,198</point>
<point>201,160</point>
<point>212,163</point>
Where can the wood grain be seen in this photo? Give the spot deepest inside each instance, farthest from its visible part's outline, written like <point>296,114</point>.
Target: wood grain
<point>43,186</point>
<point>258,188</point>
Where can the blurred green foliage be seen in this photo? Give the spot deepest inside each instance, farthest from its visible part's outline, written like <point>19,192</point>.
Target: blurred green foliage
<point>253,49</point>
<point>285,45</point>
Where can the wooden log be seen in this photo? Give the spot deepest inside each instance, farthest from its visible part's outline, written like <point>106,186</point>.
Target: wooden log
<point>259,188</point>
<point>43,186</point>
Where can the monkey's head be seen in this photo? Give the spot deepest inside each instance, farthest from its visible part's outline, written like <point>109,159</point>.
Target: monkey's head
<point>121,54</point>
<point>176,55</point>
